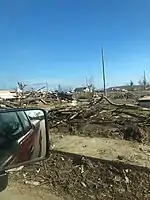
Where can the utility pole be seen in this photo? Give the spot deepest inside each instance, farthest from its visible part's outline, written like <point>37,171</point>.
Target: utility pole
<point>104,77</point>
<point>59,88</point>
<point>86,82</point>
<point>46,86</point>
<point>144,81</point>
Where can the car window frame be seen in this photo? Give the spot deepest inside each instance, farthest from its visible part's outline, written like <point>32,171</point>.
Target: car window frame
<point>24,130</point>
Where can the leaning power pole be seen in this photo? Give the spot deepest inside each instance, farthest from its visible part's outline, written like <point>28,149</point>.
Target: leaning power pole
<point>103,69</point>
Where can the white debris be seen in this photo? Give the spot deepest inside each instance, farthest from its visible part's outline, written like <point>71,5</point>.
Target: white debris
<point>35,183</point>
<point>38,170</point>
<point>127,170</point>
<point>82,169</point>
<point>74,103</point>
<point>16,169</point>
<point>62,158</point>
<point>126,180</point>
<point>25,175</point>
<point>52,146</point>
<point>125,177</point>
<point>82,183</point>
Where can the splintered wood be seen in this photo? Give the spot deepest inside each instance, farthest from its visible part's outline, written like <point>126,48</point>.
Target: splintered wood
<point>109,119</point>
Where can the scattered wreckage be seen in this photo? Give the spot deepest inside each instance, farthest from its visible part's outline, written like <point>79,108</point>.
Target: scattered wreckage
<point>100,116</point>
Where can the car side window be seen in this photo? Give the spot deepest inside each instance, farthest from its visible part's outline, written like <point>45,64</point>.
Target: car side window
<point>10,125</point>
<point>25,121</point>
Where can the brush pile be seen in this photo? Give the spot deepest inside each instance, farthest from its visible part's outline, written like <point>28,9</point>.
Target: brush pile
<point>102,118</point>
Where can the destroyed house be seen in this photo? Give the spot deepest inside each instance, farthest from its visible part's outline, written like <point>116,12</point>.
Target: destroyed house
<point>81,89</point>
<point>6,94</point>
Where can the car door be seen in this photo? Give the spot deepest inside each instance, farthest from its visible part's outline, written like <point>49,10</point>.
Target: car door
<point>29,145</point>
<point>19,140</point>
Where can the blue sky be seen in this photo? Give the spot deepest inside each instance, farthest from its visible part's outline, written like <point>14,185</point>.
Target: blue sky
<point>59,41</point>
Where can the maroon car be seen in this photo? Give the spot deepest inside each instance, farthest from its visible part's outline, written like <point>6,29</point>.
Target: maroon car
<point>19,138</point>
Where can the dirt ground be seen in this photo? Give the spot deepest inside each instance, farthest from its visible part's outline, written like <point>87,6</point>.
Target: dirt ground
<point>105,148</point>
<point>75,177</point>
<point>16,191</point>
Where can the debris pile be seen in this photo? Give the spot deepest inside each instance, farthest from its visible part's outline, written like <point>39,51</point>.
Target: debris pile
<point>122,95</point>
<point>36,98</point>
<point>102,117</point>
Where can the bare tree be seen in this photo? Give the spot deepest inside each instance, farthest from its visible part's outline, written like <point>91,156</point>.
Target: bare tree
<point>143,82</point>
<point>21,85</point>
<point>131,83</point>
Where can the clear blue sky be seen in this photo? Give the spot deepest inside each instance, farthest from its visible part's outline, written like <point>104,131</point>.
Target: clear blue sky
<point>59,41</point>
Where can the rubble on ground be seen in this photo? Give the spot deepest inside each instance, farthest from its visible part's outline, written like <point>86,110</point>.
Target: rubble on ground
<point>99,117</point>
<point>37,98</point>
<point>102,118</point>
<point>87,178</point>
